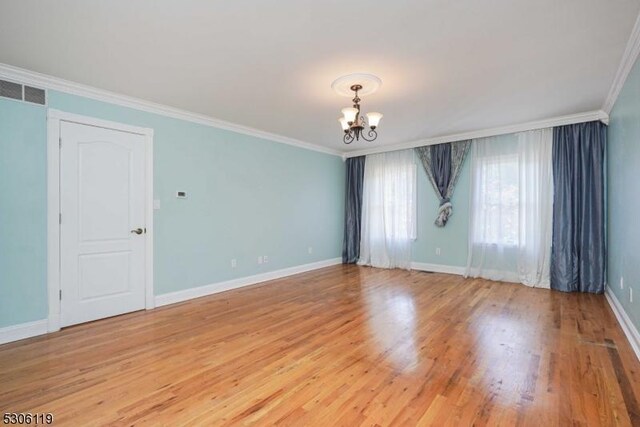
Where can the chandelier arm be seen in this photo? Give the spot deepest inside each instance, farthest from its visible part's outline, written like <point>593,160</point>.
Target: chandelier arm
<point>372,135</point>
<point>348,138</point>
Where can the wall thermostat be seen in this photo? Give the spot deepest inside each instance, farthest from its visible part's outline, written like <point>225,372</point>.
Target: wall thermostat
<point>181,194</point>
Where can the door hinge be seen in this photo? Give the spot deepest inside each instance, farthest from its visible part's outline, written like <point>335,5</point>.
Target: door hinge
<point>60,294</point>
<point>145,230</point>
<point>60,218</point>
<point>60,142</point>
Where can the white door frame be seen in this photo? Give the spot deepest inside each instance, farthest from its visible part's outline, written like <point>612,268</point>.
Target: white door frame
<point>54,118</point>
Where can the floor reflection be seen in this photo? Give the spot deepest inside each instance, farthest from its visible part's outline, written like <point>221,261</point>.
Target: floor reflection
<point>391,322</point>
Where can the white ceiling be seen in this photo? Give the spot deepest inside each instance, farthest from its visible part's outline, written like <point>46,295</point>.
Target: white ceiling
<point>447,66</point>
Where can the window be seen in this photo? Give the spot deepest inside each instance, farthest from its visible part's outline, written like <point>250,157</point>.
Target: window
<point>497,181</point>
<point>396,206</point>
<point>511,208</point>
<point>388,209</point>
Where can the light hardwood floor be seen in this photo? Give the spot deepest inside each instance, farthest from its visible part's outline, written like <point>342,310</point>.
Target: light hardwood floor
<point>343,345</point>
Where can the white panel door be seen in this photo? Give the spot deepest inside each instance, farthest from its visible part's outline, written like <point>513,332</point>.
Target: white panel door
<point>102,231</point>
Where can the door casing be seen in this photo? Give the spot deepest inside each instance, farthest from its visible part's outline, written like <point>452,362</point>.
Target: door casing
<point>54,118</point>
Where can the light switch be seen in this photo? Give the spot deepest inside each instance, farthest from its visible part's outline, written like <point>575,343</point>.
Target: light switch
<point>156,204</point>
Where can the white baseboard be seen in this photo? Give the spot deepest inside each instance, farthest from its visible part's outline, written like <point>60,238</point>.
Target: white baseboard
<point>40,327</point>
<point>625,322</point>
<point>22,331</point>
<point>201,291</point>
<point>437,268</point>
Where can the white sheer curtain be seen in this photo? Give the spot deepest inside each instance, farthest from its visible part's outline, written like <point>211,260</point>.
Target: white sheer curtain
<point>388,210</point>
<point>511,208</point>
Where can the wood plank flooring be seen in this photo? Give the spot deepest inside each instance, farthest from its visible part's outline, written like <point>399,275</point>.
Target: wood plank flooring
<point>343,345</point>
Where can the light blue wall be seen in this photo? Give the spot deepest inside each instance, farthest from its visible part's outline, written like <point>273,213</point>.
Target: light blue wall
<point>451,239</point>
<point>623,151</point>
<point>247,197</point>
<point>23,210</point>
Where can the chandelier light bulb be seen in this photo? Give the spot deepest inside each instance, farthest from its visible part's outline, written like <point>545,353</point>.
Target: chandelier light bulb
<point>373,119</point>
<point>350,114</point>
<point>344,124</point>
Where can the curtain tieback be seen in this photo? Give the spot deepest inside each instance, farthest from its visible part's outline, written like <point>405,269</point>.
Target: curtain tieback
<point>444,213</point>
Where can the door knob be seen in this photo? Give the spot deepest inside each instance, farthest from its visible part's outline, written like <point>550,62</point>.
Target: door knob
<point>137,231</point>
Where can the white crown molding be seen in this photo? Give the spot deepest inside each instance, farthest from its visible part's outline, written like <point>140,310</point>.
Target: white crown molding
<point>630,331</point>
<point>214,288</point>
<point>438,268</point>
<point>629,58</point>
<point>44,81</point>
<point>22,331</point>
<point>484,133</point>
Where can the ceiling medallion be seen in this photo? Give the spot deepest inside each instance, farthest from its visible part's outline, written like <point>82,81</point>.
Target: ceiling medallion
<point>352,122</point>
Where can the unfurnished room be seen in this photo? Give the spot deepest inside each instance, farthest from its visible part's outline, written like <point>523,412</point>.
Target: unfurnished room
<point>320,213</point>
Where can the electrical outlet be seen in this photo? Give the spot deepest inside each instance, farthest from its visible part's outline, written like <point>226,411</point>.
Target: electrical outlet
<point>265,259</point>
<point>438,251</point>
<point>234,263</point>
<point>310,249</point>
<point>259,260</point>
<point>621,282</point>
<point>630,294</point>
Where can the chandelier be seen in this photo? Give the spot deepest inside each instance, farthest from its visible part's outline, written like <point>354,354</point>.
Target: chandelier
<point>353,123</point>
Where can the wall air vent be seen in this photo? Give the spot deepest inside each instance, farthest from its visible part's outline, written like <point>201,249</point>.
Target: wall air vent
<point>10,90</point>
<point>20,92</point>
<point>35,95</point>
